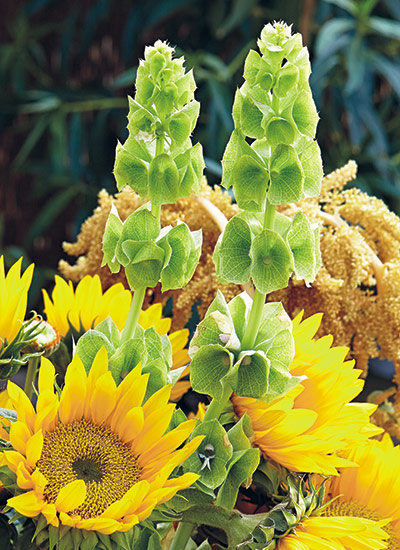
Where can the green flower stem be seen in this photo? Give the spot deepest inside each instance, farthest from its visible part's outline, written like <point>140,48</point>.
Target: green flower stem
<point>156,209</point>
<point>216,406</point>
<point>254,321</point>
<point>31,376</point>
<point>182,536</point>
<point>133,315</point>
<point>257,307</point>
<point>269,216</point>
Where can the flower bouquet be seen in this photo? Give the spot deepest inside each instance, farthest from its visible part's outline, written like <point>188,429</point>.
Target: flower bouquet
<point>124,439</point>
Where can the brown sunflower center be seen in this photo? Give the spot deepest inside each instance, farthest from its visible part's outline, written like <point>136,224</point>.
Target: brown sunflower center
<point>358,510</point>
<point>83,450</point>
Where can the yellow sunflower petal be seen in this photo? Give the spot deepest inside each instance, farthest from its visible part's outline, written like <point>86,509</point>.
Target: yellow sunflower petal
<point>27,504</point>
<point>71,496</point>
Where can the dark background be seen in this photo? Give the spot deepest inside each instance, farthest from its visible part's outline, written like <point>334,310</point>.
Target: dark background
<point>67,66</point>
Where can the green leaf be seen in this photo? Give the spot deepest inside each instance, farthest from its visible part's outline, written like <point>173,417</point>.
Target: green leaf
<point>158,370</point>
<point>209,366</point>
<point>272,262</point>
<point>287,80</point>
<point>110,330</point>
<point>311,162</point>
<point>279,130</point>
<point>163,180</point>
<point>89,344</point>
<point>111,236</point>
<point>211,457</point>
<point>130,170</point>
<point>250,116</point>
<point>280,355</point>
<point>305,114</point>
<point>274,320</point>
<point>127,356</point>
<point>217,321</point>
<point>190,165</point>
<point>145,267</point>
<point>286,175</point>
<point>238,527</point>
<point>251,378</point>
<point>179,126</point>
<point>235,149</point>
<point>240,470</point>
<point>251,67</point>
<point>141,225</point>
<point>301,240</point>
<point>250,181</point>
<point>239,308</point>
<point>182,254</point>
<point>232,255</point>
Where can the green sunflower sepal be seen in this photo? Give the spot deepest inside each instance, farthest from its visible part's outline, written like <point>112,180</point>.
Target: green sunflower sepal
<point>26,345</point>
<point>149,253</point>
<point>246,251</point>
<point>218,356</point>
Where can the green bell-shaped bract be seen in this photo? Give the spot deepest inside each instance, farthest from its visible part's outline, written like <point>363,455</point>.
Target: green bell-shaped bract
<point>218,356</point>
<point>247,251</point>
<point>148,253</point>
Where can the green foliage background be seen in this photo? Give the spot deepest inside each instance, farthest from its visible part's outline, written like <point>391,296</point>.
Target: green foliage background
<point>66,68</point>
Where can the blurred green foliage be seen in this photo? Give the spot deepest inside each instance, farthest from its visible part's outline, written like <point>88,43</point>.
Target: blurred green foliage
<point>66,68</point>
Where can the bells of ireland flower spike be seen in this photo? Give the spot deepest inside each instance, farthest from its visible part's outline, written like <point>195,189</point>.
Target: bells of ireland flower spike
<point>158,159</point>
<point>275,109</point>
<point>272,158</point>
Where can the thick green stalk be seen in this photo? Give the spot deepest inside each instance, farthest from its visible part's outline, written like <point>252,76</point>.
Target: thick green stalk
<point>133,315</point>
<point>155,208</point>
<point>31,376</point>
<point>257,307</point>
<point>216,406</point>
<point>182,536</point>
<point>254,320</point>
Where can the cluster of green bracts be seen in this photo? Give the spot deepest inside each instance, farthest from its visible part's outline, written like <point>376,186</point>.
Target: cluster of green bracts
<point>245,346</point>
<point>271,159</point>
<point>159,163</point>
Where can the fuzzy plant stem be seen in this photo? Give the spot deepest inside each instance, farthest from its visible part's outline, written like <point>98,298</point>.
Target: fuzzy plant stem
<point>133,315</point>
<point>31,376</point>
<point>257,307</point>
<point>182,536</point>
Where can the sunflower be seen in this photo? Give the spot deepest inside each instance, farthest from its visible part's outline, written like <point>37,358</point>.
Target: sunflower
<point>13,299</point>
<point>95,457</point>
<point>335,533</point>
<point>371,490</point>
<point>305,429</point>
<point>87,306</point>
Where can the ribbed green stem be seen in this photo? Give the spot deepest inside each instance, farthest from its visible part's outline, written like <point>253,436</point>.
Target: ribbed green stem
<point>216,406</point>
<point>256,312</point>
<point>254,321</point>
<point>269,216</point>
<point>133,315</point>
<point>31,376</point>
<point>156,208</point>
<point>182,536</point>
